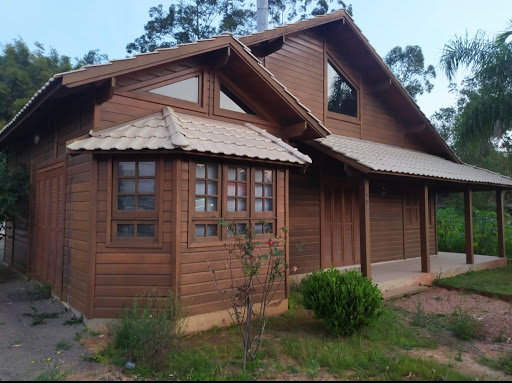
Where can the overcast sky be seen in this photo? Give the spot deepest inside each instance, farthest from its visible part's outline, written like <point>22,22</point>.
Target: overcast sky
<point>74,27</point>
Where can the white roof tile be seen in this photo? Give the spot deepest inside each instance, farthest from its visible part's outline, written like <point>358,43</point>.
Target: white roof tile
<point>171,130</point>
<point>392,159</point>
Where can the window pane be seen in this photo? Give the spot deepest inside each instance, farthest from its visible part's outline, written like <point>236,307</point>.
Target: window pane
<point>212,204</point>
<point>242,189</point>
<point>126,202</point>
<point>200,187</point>
<point>126,186</point>
<point>259,190</point>
<point>145,230</point>
<point>258,228</point>
<point>231,204</point>
<point>146,186</point>
<point>268,205</point>
<point>242,174</point>
<point>125,230</point>
<point>212,187</point>
<point>200,171</point>
<point>229,101</point>
<point>200,231</point>
<point>259,175</point>
<point>127,169</point>
<point>213,172</point>
<point>268,190</point>
<point>146,169</point>
<point>268,175</point>
<point>241,228</point>
<point>259,204</point>
<point>187,90</point>
<point>242,204</point>
<point>342,97</point>
<point>212,231</point>
<point>267,228</point>
<point>146,203</point>
<point>200,204</point>
<point>231,173</point>
<point>231,188</point>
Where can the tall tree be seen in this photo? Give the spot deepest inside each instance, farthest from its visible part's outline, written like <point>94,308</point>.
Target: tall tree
<point>190,20</point>
<point>486,93</point>
<point>408,65</point>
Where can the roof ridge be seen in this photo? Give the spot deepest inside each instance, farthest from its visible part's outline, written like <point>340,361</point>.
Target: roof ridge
<point>175,128</point>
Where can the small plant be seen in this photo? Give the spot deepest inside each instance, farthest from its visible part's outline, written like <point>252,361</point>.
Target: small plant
<point>344,303</point>
<point>64,345</point>
<point>458,358</point>
<point>500,337</point>
<point>149,335</point>
<point>419,318</point>
<point>74,321</point>
<point>464,326</point>
<point>41,292</point>
<point>39,318</point>
<point>52,375</point>
<point>78,337</point>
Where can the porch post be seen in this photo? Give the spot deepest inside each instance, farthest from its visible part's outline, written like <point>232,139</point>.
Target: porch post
<point>468,210</point>
<point>364,220</point>
<point>424,230</point>
<point>501,223</point>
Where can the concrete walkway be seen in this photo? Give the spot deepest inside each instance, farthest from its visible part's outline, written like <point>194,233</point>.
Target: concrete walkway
<point>400,274</point>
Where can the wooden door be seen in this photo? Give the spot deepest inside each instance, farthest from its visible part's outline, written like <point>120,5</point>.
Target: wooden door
<point>49,226</point>
<point>338,225</point>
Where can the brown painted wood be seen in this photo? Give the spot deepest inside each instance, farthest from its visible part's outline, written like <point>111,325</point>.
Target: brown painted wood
<point>364,219</point>
<point>468,216</point>
<point>424,230</point>
<point>501,223</point>
<point>176,227</point>
<point>93,211</point>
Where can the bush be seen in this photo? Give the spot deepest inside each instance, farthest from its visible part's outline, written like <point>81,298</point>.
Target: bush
<point>148,336</point>
<point>343,302</point>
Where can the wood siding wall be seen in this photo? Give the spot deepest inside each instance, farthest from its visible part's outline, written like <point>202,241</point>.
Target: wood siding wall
<point>121,273</point>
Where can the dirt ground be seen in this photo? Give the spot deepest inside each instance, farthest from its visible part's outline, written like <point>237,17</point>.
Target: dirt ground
<point>28,351</point>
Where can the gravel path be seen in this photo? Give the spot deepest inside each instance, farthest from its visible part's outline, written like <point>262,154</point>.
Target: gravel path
<point>27,351</point>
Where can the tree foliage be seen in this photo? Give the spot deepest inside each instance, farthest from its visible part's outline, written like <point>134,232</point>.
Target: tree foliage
<point>23,72</point>
<point>188,20</point>
<point>408,65</point>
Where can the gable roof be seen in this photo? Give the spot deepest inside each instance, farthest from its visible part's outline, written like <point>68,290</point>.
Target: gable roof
<point>372,157</point>
<point>344,17</point>
<point>94,73</point>
<point>178,131</point>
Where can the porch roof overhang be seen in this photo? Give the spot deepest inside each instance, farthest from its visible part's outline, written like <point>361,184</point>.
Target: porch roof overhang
<point>169,130</point>
<point>372,157</point>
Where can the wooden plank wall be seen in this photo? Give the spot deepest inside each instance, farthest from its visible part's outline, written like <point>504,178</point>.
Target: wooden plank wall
<point>122,273</point>
<point>196,284</point>
<point>386,227</point>
<point>304,222</point>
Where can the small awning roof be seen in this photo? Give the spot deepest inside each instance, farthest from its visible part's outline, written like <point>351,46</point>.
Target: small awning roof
<point>171,130</point>
<point>372,157</point>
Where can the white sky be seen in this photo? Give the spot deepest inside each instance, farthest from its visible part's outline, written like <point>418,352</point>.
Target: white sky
<point>74,27</point>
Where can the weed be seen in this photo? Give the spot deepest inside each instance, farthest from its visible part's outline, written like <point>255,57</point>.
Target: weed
<point>74,321</point>
<point>94,334</point>
<point>292,370</point>
<point>464,326</point>
<point>41,292</point>
<point>504,363</point>
<point>96,358</point>
<point>312,369</point>
<point>419,318</point>
<point>2,323</point>
<point>39,318</point>
<point>52,375</point>
<point>78,337</point>
<point>437,298</point>
<point>64,345</point>
<point>147,337</point>
<point>458,358</point>
<point>500,337</point>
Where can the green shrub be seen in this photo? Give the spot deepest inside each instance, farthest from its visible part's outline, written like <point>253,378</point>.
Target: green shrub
<point>343,302</point>
<point>464,326</point>
<point>149,335</point>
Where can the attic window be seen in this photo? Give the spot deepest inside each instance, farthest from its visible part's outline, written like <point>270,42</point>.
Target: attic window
<point>342,96</point>
<point>230,101</point>
<point>187,90</point>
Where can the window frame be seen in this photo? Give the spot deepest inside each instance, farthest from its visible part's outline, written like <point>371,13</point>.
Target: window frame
<point>116,217</point>
<point>334,115</point>
<point>249,217</point>
<point>145,87</point>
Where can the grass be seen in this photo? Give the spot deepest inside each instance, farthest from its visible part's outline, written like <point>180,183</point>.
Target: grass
<point>504,363</point>
<point>495,281</point>
<point>464,326</point>
<point>64,345</point>
<point>41,292</point>
<point>40,318</point>
<point>52,375</point>
<point>74,321</point>
<point>296,345</point>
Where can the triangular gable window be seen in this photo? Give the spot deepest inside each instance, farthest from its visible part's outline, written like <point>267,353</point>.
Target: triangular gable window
<point>341,95</point>
<point>230,101</point>
<point>187,90</point>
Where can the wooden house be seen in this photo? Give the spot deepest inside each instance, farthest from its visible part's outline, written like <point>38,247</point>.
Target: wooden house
<point>133,163</point>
